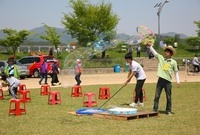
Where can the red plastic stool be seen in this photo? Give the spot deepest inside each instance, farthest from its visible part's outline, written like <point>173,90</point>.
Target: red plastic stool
<point>45,89</point>
<point>25,95</point>
<point>54,97</point>
<point>89,100</point>
<point>104,93</point>
<point>22,87</point>
<point>1,94</point>
<point>76,91</point>
<point>144,95</point>
<point>15,109</point>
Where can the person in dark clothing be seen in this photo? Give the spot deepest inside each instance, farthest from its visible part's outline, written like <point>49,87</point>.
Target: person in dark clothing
<point>54,75</point>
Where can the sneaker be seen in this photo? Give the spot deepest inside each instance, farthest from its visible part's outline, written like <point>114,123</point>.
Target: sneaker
<point>141,104</point>
<point>169,113</point>
<point>52,84</point>
<point>133,105</point>
<point>59,84</point>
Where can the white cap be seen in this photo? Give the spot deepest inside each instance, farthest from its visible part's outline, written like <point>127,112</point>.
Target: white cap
<point>78,60</point>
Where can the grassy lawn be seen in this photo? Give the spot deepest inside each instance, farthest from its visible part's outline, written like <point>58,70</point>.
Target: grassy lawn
<point>44,119</point>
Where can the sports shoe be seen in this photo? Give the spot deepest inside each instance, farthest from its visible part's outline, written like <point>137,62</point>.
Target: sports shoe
<point>169,113</point>
<point>133,105</point>
<point>141,104</point>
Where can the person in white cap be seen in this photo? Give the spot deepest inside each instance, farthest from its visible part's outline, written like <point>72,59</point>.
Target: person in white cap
<point>78,71</point>
<point>166,66</point>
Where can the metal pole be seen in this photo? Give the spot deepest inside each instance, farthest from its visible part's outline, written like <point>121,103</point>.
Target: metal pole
<point>159,6</point>
<point>158,32</point>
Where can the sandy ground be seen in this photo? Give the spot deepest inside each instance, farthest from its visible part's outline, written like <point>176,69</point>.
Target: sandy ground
<point>109,78</point>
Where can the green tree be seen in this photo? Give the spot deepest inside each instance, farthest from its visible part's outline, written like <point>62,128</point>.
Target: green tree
<point>14,39</point>
<point>88,21</point>
<point>198,25</point>
<point>53,37</point>
<point>194,42</point>
<point>169,41</point>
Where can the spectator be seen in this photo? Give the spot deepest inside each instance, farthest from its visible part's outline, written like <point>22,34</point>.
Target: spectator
<point>138,49</point>
<point>11,69</point>
<point>43,72</point>
<point>54,75</point>
<point>195,63</point>
<point>130,49</point>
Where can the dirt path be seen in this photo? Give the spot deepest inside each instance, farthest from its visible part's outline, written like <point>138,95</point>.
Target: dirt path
<point>109,78</point>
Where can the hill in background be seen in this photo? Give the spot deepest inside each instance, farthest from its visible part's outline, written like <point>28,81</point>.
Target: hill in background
<point>65,38</point>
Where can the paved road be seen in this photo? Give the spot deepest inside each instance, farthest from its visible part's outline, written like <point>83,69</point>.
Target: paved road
<point>109,78</point>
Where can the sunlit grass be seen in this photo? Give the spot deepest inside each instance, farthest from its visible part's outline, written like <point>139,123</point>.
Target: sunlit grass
<point>44,119</point>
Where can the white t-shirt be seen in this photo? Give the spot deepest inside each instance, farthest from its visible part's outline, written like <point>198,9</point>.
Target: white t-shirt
<point>195,61</point>
<point>14,82</point>
<point>136,67</point>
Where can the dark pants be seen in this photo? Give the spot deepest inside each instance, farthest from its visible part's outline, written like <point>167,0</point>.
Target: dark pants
<point>162,83</point>
<point>196,68</point>
<point>43,76</point>
<point>138,89</point>
<point>138,54</point>
<point>77,78</point>
<point>54,78</point>
<point>13,92</point>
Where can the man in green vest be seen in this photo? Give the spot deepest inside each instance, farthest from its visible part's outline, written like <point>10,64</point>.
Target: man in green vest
<point>11,69</point>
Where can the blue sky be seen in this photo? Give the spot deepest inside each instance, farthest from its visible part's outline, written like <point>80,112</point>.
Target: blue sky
<point>176,16</point>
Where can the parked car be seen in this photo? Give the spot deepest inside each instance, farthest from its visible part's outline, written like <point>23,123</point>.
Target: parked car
<point>34,63</point>
<point>23,70</point>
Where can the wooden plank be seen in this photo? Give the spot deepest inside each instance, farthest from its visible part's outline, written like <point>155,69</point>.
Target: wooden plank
<point>140,114</point>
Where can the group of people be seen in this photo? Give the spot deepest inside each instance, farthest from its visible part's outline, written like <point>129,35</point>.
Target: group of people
<point>55,72</point>
<point>138,50</point>
<point>44,73</point>
<point>166,66</point>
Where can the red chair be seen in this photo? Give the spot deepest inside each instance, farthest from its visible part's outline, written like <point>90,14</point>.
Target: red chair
<point>1,94</point>
<point>104,93</point>
<point>15,107</point>
<point>76,91</point>
<point>25,95</point>
<point>54,98</point>
<point>22,87</point>
<point>89,100</point>
<point>45,89</point>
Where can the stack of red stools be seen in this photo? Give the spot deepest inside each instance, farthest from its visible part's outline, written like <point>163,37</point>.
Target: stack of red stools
<point>24,94</point>
<point>54,97</point>
<point>76,91</point>
<point>16,108</point>
<point>1,94</point>
<point>45,89</point>
<point>104,93</point>
<point>89,100</point>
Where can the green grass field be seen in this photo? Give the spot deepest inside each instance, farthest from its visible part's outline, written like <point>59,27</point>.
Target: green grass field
<point>45,119</point>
